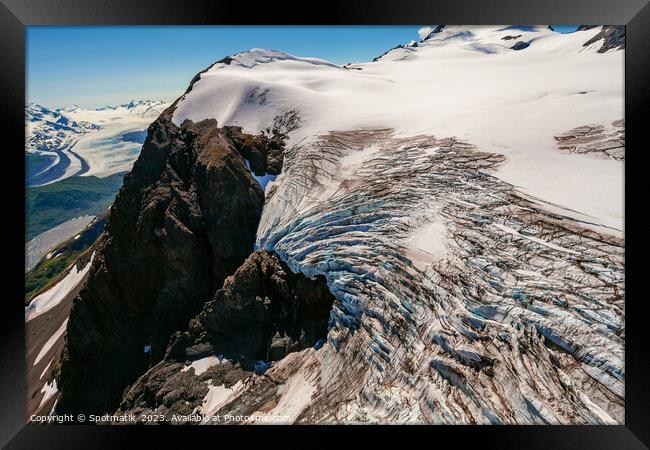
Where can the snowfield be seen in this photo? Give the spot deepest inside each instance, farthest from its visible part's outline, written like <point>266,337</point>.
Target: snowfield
<point>48,391</point>
<point>465,82</point>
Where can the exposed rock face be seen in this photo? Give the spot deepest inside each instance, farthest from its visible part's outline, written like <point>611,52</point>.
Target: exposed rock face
<point>437,29</point>
<point>613,37</point>
<point>184,220</point>
<point>377,58</point>
<point>263,153</point>
<point>168,389</point>
<point>520,45</point>
<point>263,313</point>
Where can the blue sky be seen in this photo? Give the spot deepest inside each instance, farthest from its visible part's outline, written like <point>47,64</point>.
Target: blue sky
<point>95,66</point>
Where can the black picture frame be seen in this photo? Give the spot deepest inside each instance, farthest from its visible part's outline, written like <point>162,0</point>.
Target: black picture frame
<point>15,15</point>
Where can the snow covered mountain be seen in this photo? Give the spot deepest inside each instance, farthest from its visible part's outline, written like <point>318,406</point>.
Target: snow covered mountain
<point>47,132</point>
<point>461,81</point>
<point>460,197</point>
<point>77,141</point>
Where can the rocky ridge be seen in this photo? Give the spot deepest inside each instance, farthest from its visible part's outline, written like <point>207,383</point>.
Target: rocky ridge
<point>613,37</point>
<point>263,312</point>
<point>184,220</point>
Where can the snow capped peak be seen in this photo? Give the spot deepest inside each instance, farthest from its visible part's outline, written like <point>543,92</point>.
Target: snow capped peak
<point>530,74</point>
<point>77,119</point>
<point>133,104</point>
<point>504,39</point>
<point>34,109</point>
<point>142,108</point>
<point>257,56</point>
<point>100,134</point>
<point>69,108</point>
<point>53,121</point>
<point>427,32</point>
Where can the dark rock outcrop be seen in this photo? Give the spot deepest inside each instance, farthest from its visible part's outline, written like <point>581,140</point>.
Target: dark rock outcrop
<point>170,390</point>
<point>263,312</point>
<point>377,58</point>
<point>183,221</point>
<point>613,37</point>
<point>520,45</point>
<point>264,153</point>
<point>437,29</point>
<point>510,37</point>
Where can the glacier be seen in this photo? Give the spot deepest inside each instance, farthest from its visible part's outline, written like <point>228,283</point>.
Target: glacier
<point>83,141</point>
<point>478,271</point>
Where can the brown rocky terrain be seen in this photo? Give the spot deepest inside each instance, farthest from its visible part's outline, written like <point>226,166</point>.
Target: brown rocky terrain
<point>184,220</point>
<point>613,37</point>
<point>263,312</point>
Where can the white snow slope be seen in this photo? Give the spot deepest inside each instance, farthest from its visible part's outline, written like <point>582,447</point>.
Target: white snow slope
<point>53,296</point>
<point>51,341</point>
<point>465,82</point>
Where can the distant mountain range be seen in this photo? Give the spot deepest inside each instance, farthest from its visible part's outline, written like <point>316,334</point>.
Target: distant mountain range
<point>72,140</point>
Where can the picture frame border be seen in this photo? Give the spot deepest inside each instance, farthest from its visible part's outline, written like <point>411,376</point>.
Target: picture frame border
<point>16,15</point>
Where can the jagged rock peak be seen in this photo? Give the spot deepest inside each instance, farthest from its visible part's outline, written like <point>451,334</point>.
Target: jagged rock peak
<point>263,313</point>
<point>184,220</point>
<point>436,29</point>
<point>613,37</point>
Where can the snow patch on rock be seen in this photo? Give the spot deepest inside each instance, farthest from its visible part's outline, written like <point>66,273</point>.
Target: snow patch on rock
<point>201,365</point>
<point>49,389</point>
<point>53,296</point>
<point>51,341</point>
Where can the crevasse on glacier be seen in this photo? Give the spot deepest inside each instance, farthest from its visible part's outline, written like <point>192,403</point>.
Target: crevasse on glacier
<point>518,320</point>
